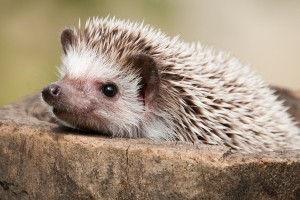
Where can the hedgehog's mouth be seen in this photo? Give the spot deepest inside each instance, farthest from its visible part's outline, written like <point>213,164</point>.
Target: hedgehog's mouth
<point>68,118</point>
<point>78,121</point>
<point>62,114</point>
<point>58,111</point>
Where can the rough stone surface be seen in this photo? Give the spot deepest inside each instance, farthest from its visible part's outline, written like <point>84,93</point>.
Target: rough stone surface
<point>41,160</point>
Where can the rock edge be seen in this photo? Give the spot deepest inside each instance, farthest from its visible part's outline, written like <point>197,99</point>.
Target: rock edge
<point>40,160</point>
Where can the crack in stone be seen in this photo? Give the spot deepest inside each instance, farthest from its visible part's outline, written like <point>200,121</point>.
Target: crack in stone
<point>5,185</point>
<point>226,155</point>
<point>127,166</point>
<point>8,187</point>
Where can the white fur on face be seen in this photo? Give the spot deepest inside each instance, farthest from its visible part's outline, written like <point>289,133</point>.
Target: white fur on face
<point>87,64</point>
<point>127,115</point>
<point>131,119</point>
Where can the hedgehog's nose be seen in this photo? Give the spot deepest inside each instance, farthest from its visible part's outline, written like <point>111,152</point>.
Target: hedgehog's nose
<point>52,93</point>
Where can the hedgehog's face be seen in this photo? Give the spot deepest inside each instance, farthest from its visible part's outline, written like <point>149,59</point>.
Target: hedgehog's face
<point>95,93</point>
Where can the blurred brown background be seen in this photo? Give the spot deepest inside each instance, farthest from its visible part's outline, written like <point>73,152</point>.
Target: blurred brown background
<point>262,33</point>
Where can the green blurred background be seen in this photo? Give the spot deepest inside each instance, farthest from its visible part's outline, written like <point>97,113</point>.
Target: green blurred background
<point>263,33</point>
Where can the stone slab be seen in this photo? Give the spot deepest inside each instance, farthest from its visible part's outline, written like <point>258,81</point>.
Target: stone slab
<point>41,160</point>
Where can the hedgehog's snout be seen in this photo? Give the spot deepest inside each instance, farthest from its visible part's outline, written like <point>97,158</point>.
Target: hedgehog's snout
<point>51,94</point>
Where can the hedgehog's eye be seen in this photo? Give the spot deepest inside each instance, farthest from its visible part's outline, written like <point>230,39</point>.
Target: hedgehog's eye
<point>110,90</point>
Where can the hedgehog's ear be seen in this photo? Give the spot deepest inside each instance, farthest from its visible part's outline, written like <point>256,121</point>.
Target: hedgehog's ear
<point>148,70</point>
<point>67,38</point>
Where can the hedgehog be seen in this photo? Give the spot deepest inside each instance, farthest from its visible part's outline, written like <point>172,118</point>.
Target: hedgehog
<point>127,79</point>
